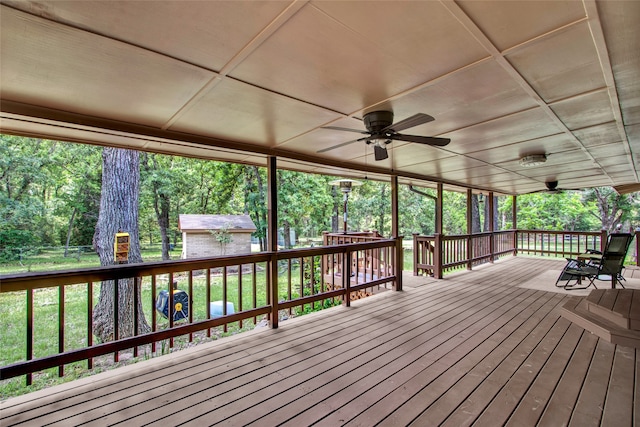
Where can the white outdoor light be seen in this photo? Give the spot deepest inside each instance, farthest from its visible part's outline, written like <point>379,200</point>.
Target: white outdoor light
<point>345,186</point>
<point>533,160</point>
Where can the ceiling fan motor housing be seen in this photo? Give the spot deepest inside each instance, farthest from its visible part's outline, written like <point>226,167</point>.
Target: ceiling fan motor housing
<point>375,121</point>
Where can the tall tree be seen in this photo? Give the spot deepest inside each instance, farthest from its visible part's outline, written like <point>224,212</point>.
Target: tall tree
<point>160,184</point>
<point>118,213</point>
<point>613,208</point>
<point>27,175</point>
<point>256,201</point>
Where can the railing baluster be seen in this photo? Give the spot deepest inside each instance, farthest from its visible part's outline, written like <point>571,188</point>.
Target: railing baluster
<point>154,318</point>
<point>116,326</point>
<point>301,275</point>
<point>239,308</point>
<point>61,326</point>
<point>289,284</point>
<point>137,282</point>
<point>170,307</point>
<point>90,321</point>
<point>190,299</point>
<point>254,273</point>
<point>29,331</point>
<point>224,294</point>
<point>207,302</point>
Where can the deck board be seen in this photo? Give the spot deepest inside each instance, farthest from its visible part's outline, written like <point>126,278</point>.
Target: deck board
<point>474,348</point>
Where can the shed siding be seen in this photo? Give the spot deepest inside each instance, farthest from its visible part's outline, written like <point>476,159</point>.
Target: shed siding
<point>202,245</point>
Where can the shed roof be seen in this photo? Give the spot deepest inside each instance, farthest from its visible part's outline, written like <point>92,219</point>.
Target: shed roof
<point>216,222</point>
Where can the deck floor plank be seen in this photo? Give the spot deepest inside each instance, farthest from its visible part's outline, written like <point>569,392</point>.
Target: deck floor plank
<point>620,390</point>
<point>558,411</point>
<point>418,390</point>
<point>588,409</point>
<point>421,362</point>
<point>532,405</point>
<point>474,348</point>
<point>508,398</point>
<point>462,394</point>
<point>340,366</point>
<point>324,360</point>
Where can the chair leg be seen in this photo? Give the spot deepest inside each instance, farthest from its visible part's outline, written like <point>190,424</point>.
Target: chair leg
<point>573,287</point>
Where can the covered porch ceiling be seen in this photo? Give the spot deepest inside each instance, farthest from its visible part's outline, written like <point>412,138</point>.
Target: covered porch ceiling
<point>243,80</point>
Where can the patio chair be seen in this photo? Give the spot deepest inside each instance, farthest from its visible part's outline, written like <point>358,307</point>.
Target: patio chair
<point>609,267</point>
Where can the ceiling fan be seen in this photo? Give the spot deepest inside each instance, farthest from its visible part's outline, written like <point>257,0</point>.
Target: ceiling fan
<point>552,188</point>
<point>381,131</point>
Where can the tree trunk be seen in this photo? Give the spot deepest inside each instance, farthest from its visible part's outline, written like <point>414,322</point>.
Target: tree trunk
<point>286,234</point>
<point>260,214</point>
<point>381,212</point>
<point>118,213</point>
<point>162,212</point>
<point>475,214</point>
<point>69,228</point>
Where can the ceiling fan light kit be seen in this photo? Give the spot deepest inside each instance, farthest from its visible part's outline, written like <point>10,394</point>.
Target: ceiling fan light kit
<point>533,160</point>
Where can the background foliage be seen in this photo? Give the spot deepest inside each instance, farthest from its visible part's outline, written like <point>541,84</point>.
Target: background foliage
<point>50,194</point>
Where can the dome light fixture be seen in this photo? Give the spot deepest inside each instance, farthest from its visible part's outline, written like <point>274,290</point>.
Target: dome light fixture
<point>533,160</point>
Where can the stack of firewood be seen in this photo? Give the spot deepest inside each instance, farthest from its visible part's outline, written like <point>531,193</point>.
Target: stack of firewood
<point>354,295</point>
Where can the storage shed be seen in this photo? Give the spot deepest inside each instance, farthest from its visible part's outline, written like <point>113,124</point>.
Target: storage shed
<point>201,235</point>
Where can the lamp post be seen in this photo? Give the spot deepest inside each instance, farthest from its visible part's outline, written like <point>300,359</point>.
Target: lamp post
<point>345,186</point>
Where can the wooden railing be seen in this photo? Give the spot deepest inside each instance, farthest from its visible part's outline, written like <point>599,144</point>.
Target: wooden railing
<point>243,288</point>
<point>437,254</point>
<point>365,266</point>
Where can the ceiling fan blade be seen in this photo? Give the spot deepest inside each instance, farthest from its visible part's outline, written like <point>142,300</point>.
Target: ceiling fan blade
<point>409,122</point>
<point>344,129</point>
<point>380,153</point>
<point>429,140</point>
<point>342,144</point>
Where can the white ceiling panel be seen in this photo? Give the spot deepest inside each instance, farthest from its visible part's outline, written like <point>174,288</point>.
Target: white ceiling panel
<point>244,80</point>
<point>560,65</point>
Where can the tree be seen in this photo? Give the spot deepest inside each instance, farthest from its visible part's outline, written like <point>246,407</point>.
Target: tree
<point>417,213</point>
<point>255,201</point>
<point>27,183</point>
<point>303,203</point>
<point>562,211</point>
<point>160,184</point>
<point>118,213</point>
<point>612,208</point>
<point>370,207</point>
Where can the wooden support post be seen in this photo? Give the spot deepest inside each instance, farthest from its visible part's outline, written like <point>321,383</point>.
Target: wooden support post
<point>514,215</point>
<point>437,256</point>
<point>637,234</point>
<point>603,240</point>
<point>398,259</point>
<point>439,208</point>
<point>469,229</point>
<point>272,238</point>
<point>492,245</point>
<point>416,254</point>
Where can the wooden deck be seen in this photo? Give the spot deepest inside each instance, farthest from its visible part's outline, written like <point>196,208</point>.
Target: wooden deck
<point>474,348</point>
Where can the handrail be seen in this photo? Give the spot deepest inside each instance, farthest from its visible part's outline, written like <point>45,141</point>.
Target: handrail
<point>309,289</point>
<point>439,253</point>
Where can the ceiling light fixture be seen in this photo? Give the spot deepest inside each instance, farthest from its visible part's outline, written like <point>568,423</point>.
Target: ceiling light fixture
<point>379,147</point>
<point>533,160</point>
